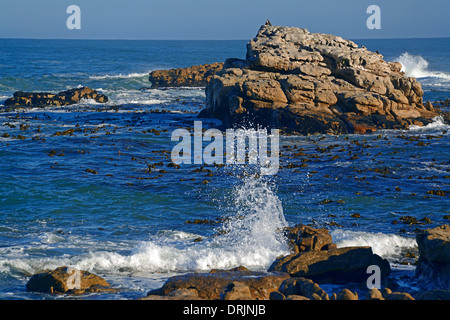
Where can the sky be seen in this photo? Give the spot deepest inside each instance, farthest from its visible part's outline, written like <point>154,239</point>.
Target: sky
<point>220,19</point>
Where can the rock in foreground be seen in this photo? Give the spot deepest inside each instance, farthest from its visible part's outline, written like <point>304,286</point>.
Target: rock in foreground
<point>44,99</point>
<point>63,281</point>
<point>347,264</point>
<point>196,76</point>
<point>235,284</point>
<point>433,269</point>
<point>308,83</point>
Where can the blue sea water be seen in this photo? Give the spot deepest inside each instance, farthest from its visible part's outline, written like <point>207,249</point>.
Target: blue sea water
<point>129,222</point>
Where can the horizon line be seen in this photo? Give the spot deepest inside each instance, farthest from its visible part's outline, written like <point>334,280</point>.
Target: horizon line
<point>142,39</point>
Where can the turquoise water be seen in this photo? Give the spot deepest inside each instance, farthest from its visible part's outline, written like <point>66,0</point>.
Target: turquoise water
<point>129,222</point>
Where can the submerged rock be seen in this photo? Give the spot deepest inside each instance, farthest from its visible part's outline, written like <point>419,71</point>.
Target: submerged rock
<point>44,99</point>
<point>310,83</point>
<point>433,268</point>
<point>195,76</point>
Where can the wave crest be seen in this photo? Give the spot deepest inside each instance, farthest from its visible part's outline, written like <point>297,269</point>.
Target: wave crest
<point>416,66</point>
<point>119,76</point>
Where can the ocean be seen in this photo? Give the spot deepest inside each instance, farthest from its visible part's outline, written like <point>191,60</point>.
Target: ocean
<point>91,186</point>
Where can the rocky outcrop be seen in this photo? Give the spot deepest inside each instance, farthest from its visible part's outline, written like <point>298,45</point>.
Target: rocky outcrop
<point>307,83</point>
<point>315,256</point>
<point>196,76</point>
<point>44,99</point>
<point>433,268</point>
<point>297,276</point>
<point>302,238</point>
<point>63,280</point>
<point>235,284</point>
<point>340,265</point>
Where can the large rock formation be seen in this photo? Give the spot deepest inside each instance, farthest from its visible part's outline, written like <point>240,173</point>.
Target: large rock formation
<point>63,98</point>
<point>195,76</point>
<point>308,83</point>
<point>315,256</point>
<point>433,269</point>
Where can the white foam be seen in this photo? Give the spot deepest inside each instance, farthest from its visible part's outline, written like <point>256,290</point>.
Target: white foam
<point>253,241</point>
<point>417,67</point>
<point>120,76</point>
<point>437,124</point>
<point>385,245</point>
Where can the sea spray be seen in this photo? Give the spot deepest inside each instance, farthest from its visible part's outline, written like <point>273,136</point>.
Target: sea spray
<point>416,66</point>
<point>252,237</point>
<point>437,124</point>
<point>259,214</point>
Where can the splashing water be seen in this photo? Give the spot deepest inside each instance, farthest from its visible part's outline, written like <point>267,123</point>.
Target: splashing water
<point>417,67</point>
<point>253,238</point>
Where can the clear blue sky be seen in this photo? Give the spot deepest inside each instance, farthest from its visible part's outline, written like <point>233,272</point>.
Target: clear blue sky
<point>220,19</point>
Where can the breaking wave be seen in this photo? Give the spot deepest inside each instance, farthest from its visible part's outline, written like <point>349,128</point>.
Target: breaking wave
<point>416,66</point>
<point>253,240</point>
<point>385,245</point>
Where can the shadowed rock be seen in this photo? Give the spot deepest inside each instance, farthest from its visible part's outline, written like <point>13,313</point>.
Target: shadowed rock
<point>347,264</point>
<point>433,269</point>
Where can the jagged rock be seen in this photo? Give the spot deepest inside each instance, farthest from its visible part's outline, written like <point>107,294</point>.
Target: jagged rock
<point>302,238</point>
<point>62,281</point>
<point>346,294</point>
<point>296,297</point>
<point>302,287</point>
<point>374,294</point>
<point>332,266</point>
<point>399,296</point>
<point>195,76</point>
<point>236,291</point>
<point>308,83</point>
<point>433,269</point>
<point>225,284</point>
<point>179,294</point>
<point>44,99</point>
<point>277,295</point>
